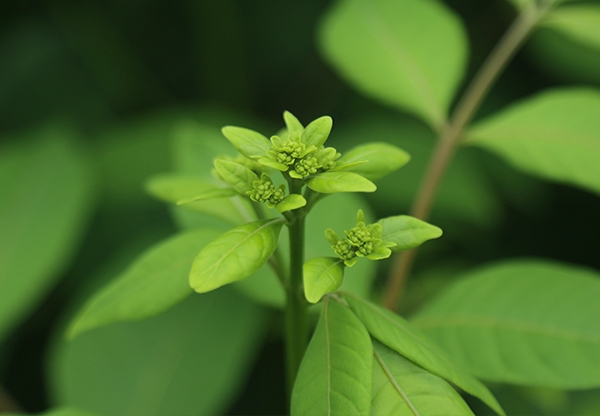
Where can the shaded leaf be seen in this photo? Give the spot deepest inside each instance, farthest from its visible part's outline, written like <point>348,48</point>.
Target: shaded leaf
<point>524,322</point>
<point>554,135</point>
<point>410,54</point>
<point>322,275</point>
<point>247,142</point>
<point>401,387</point>
<point>399,335</point>
<point>332,182</point>
<point>335,374</point>
<point>381,160</point>
<point>407,232</point>
<point>235,255</point>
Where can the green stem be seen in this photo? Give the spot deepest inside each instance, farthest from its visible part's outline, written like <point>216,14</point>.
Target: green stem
<point>296,312</point>
<point>451,133</point>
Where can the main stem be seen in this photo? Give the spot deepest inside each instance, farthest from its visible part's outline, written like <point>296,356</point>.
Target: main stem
<point>296,313</point>
<point>450,134</point>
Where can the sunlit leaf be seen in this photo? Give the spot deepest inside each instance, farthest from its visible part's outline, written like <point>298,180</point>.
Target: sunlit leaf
<point>235,255</point>
<point>317,132</point>
<point>407,232</point>
<point>322,275</point>
<point>291,122</point>
<point>291,202</point>
<point>554,135</point>
<point>381,160</point>
<point>523,322</point>
<point>238,176</point>
<point>399,335</point>
<point>410,53</point>
<point>336,372</point>
<point>333,182</point>
<point>247,142</point>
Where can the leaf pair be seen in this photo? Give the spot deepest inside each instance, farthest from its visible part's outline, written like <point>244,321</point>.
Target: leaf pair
<point>344,372</point>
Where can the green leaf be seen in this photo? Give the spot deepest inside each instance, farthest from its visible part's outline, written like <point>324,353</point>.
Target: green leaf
<point>407,232</point>
<point>580,22</point>
<point>291,122</point>
<point>190,360</point>
<point>322,275</point>
<point>180,189</point>
<point>411,54</point>
<point>317,132</point>
<point>238,176</point>
<point>554,135</point>
<point>402,388</point>
<point>291,202</point>
<point>336,372</point>
<point>399,335</point>
<point>235,255</point>
<point>246,141</point>
<point>381,160</point>
<point>332,182</point>
<point>152,284</point>
<point>45,201</point>
<point>60,411</point>
<point>524,322</point>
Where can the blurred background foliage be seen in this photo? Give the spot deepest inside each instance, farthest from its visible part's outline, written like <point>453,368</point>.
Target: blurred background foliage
<point>91,95</point>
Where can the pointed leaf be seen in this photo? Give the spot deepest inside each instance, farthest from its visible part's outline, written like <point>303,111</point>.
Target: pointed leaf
<point>333,182</point>
<point>579,22</point>
<point>291,202</point>
<point>336,372</point>
<point>380,47</point>
<point>381,160</point>
<point>401,387</point>
<point>175,188</point>
<point>407,232</point>
<point>215,193</point>
<point>554,135</point>
<point>235,255</point>
<point>153,283</point>
<point>399,335</point>
<point>523,322</point>
<point>317,132</point>
<point>247,142</point>
<point>238,176</point>
<point>322,275</point>
<point>291,122</point>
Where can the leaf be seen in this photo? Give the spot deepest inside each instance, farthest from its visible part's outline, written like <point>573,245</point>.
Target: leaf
<point>579,22</point>
<point>401,387</point>
<point>523,322</point>
<point>554,135</point>
<point>190,360</point>
<point>332,182</point>
<point>291,202</point>
<point>177,188</point>
<point>407,232</point>
<point>235,255</point>
<point>335,374</point>
<point>322,275</point>
<point>246,141</point>
<point>45,201</point>
<point>58,411</point>
<point>238,176</point>
<point>156,281</point>
<point>410,54</point>
<point>382,159</point>
<point>399,335</point>
<point>291,122</point>
<point>317,132</point>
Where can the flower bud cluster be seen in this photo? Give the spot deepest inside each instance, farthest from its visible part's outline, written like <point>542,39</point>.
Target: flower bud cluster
<point>264,191</point>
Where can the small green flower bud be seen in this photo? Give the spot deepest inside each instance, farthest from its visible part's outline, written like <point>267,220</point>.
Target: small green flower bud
<point>277,196</point>
<point>344,249</point>
<point>305,167</point>
<point>262,190</point>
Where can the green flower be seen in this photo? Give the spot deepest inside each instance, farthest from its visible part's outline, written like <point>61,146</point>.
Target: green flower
<point>286,152</point>
<point>264,191</point>
<point>305,167</point>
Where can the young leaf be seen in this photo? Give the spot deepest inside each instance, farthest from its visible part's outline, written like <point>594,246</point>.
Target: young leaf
<point>336,372</point>
<point>332,182</point>
<point>235,255</point>
<point>238,176</point>
<point>291,202</point>
<point>578,22</point>
<point>317,132</point>
<point>401,387</point>
<point>407,232</point>
<point>291,122</point>
<point>212,194</point>
<point>554,135</point>
<point>152,284</point>
<point>247,142</point>
<point>399,335</point>
<point>180,189</point>
<point>379,46</point>
<point>322,275</point>
<point>381,160</point>
<point>523,322</point>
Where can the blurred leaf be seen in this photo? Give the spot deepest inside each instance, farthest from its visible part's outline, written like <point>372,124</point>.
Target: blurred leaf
<point>183,189</point>
<point>155,282</point>
<point>334,182</point>
<point>59,411</point>
<point>45,192</point>
<point>579,22</point>
<point>407,232</point>
<point>524,322</point>
<point>399,335</point>
<point>555,135</point>
<point>322,275</point>
<point>190,360</point>
<point>381,160</point>
<point>247,142</point>
<point>402,388</point>
<point>410,54</point>
<point>335,374</point>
